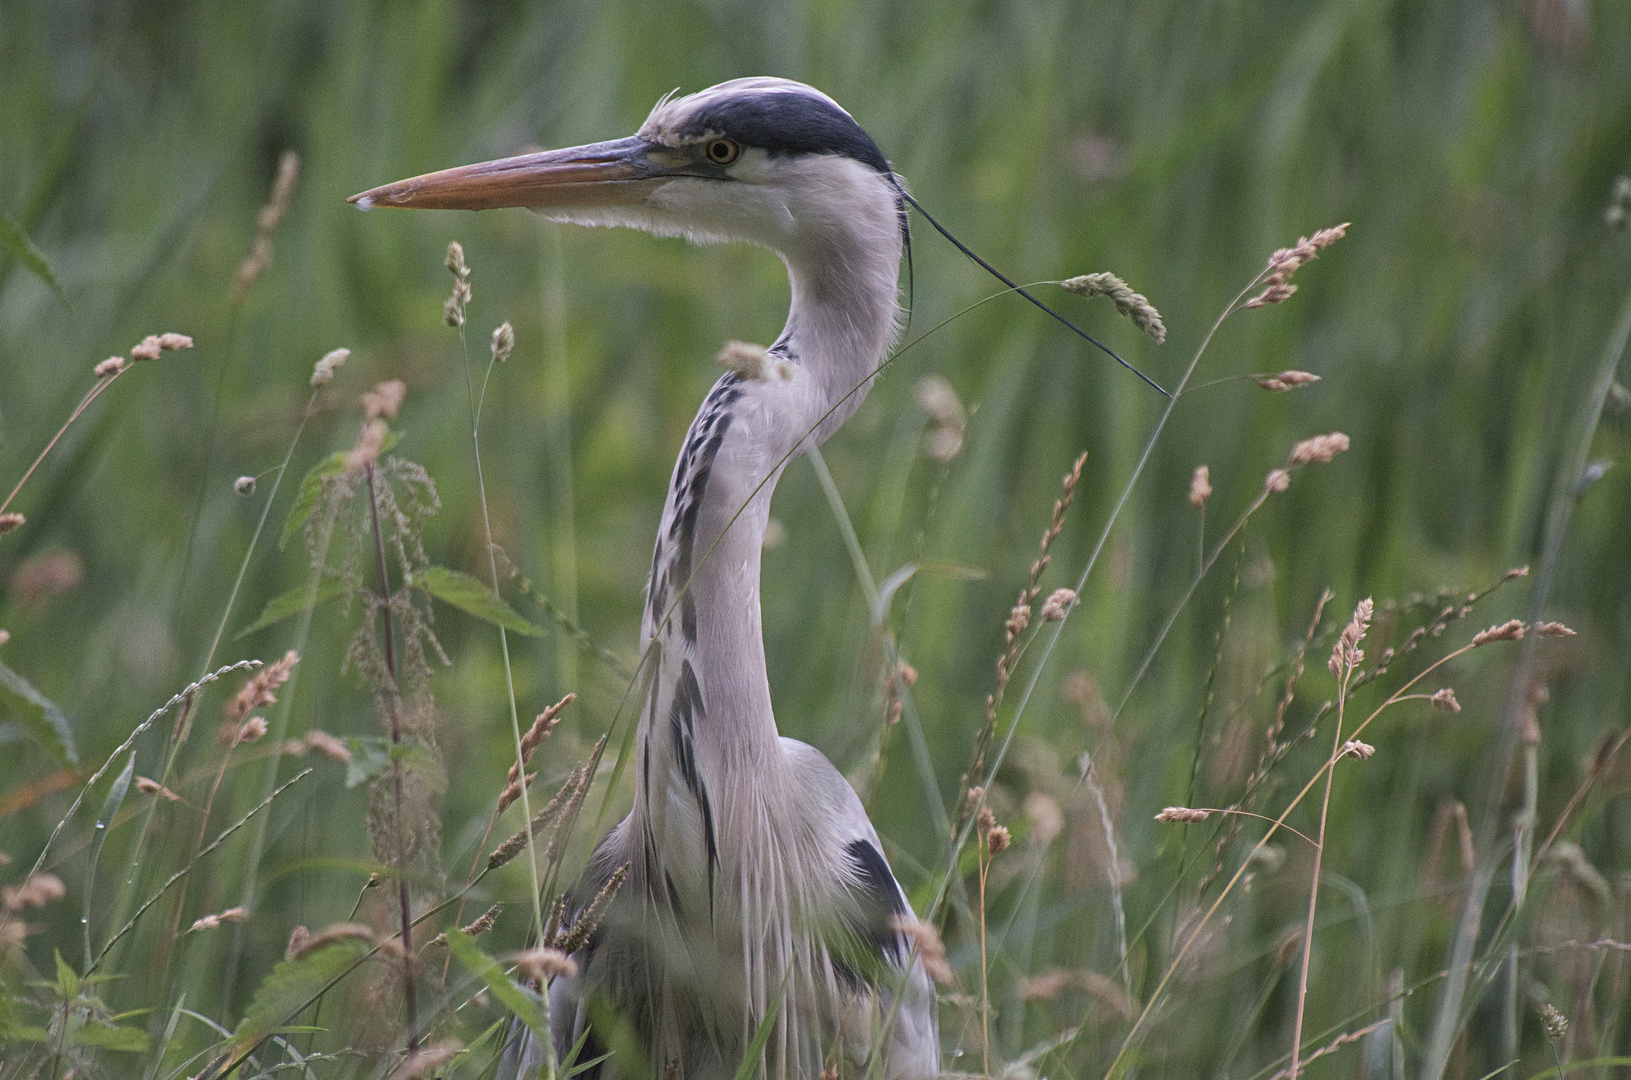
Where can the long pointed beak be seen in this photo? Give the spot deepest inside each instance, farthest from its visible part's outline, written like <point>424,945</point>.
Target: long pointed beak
<point>600,174</point>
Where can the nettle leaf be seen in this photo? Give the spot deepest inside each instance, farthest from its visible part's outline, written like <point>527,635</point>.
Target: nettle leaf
<point>512,995</point>
<point>295,984</point>
<point>52,729</point>
<point>311,486</point>
<point>294,602</point>
<point>472,597</point>
<point>372,755</point>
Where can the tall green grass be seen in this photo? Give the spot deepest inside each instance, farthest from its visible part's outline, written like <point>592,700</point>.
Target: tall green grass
<point>1465,334</point>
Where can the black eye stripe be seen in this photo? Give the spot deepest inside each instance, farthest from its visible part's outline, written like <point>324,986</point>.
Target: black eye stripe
<point>782,123</point>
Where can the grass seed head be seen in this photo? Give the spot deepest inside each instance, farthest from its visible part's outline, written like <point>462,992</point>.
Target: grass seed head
<point>11,520</point>
<point>1277,480</point>
<point>257,691</point>
<point>149,786</point>
<point>485,922</point>
<point>1556,1024</point>
<point>1552,629</point>
<point>1444,701</point>
<point>1058,605</point>
<point>503,342</point>
<point>327,745</point>
<point>244,485</point>
<point>384,400</point>
<point>1184,814</point>
<point>210,922</point>
<point>754,362</point>
<point>542,964</point>
<point>1200,487</point>
<point>1511,630</point>
<point>322,373</point>
<point>930,949</point>
<point>1358,750</point>
<point>1131,304</point>
<point>36,892</point>
<point>111,366</point>
<point>1285,380</point>
<point>1321,448</point>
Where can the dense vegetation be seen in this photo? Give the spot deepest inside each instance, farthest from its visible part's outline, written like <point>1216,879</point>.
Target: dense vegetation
<point>1467,332</point>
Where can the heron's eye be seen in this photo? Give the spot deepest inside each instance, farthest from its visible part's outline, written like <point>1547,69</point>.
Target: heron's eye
<point>721,151</point>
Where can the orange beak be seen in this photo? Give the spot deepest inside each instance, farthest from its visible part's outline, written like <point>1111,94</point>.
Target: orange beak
<point>600,174</point>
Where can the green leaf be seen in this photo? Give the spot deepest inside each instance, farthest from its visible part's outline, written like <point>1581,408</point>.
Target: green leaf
<point>470,596</point>
<point>15,241</point>
<point>104,821</point>
<point>126,1039</point>
<point>294,602</point>
<point>53,730</point>
<point>515,997</point>
<point>23,1033</point>
<point>67,979</point>
<point>370,757</point>
<point>295,984</point>
<point>311,486</point>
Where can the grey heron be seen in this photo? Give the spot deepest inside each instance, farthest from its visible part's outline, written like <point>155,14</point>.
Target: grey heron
<point>757,885</point>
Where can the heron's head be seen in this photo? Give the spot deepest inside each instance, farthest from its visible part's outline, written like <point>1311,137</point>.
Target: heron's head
<point>762,160</point>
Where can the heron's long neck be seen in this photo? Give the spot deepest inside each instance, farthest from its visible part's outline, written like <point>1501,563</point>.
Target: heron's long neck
<point>711,692</point>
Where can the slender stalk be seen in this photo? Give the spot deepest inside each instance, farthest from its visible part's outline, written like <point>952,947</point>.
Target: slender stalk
<point>84,403</point>
<point>1314,882</point>
<point>393,715</point>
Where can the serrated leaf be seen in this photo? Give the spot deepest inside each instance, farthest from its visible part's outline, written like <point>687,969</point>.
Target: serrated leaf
<point>125,1039</point>
<point>472,597</point>
<point>370,757</point>
<point>293,985</point>
<point>15,241</point>
<point>515,997</point>
<point>311,486</point>
<point>293,602</point>
<point>53,730</point>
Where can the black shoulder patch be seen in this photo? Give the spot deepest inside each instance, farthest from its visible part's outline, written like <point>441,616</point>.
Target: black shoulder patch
<point>788,123</point>
<point>880,899</point>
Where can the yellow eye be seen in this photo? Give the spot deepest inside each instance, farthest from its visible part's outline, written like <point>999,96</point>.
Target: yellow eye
<point>721,151</point>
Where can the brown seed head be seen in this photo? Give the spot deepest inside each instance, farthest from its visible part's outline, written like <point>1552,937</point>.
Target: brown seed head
<point>11,520</point>
<point>542,964</point>
<point>930,949</point>
<point>1200,486</point>
<point>997,838</point>
<point>1556,1024</point>
<point>1285,380</point>
<point>148,786</point>
<point>253,729</point>
<point>1184,814</point>
<point>327,745</point>
<point>36,892</point>
<point>46,573</point>
<point>455,261</point>
<point>1553,629</point>
<point>1355,749</point>
<point>1274,294</point>
<point>383,401</point>
<point>298,939</point>
<point>1129,303</point>
<point>1277,480</point>
<point>1321,448</point>
<point>310,943</point>
<point>754,362</point>
<point>503,342</point>
<point>485,923</point>
<point>322,372</point>
<point>1058,604</point>
<point>210,922</point>
<point>111,366</point>
<point>1018,619</point>
<point>370,444</point>
<point>1444,701</point>
<point>1511,630</point>
<point>244,485</point>
<point>257,691</point>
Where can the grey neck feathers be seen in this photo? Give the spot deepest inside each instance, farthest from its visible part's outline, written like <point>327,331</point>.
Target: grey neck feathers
<point>703,601</point>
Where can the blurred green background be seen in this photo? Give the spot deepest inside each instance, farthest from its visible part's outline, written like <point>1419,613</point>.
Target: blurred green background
<point>1457,332</point>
